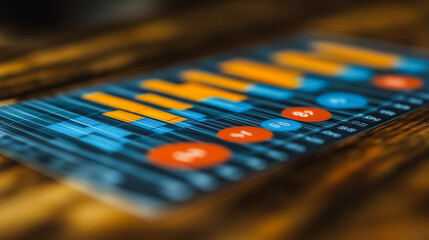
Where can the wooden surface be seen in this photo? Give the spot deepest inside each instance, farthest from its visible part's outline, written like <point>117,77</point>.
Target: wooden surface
<point>374,186</point>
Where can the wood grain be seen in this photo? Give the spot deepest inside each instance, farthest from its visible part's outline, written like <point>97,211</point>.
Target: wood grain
<point>373,186</point>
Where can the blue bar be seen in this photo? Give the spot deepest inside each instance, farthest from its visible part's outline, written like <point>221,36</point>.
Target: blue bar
<point>269,92</point>
<point>148,123</point>
<point>310,84</point>
<point>412,65</point>
<point>228,105</point>
<point>102,143</point>
<point>112,132</point>
<point>88,130</point>
<point>162,130</point>
<point>182,124</point>
<point>85,121</point>
<point>152,125</point>
<point>355,74</point>
<point>102,129</point>
<point>66,130</point>
<point>188,114</point>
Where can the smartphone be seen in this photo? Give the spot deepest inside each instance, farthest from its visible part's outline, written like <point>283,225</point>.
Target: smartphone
<point>167,138</point>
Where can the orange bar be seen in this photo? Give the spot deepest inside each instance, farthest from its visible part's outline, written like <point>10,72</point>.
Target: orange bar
<point>117,102</point>
<point>171,89</point>
<point>163,116</point>
<point>261,73</point>
<point>356,55</point>
<point>213,92</point>
<point>191,91</point>
<point>123,116</point>
<point>163,101</point>
<point>307,62</point>
<point>215,80</point>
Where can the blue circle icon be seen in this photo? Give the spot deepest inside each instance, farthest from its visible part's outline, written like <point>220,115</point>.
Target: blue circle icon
<point>342,100</point>
<point>281,125</point>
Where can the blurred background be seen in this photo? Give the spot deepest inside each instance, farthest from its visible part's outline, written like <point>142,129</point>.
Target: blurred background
<point>133,35</point>
<point>45,15</point>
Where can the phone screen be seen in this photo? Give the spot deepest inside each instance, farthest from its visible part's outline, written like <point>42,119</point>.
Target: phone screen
<point>170,136</point>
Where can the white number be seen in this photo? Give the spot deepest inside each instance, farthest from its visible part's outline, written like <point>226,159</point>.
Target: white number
<point>305,113</point>
<point>189,155</point>
<point>372,118</point>
<point>277,125</point>
<point>387,112</point>
<point>242,134</point>
<point>401,106</point>
<point>347,129</point>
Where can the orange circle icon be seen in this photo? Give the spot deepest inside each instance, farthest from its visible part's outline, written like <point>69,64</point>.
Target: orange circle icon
<point>307,114</point>
<point>188,155</point>
<point>398,82</point>
<point>245,134</point>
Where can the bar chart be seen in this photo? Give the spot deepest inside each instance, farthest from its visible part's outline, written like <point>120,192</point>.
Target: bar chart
<point>167,137</point>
